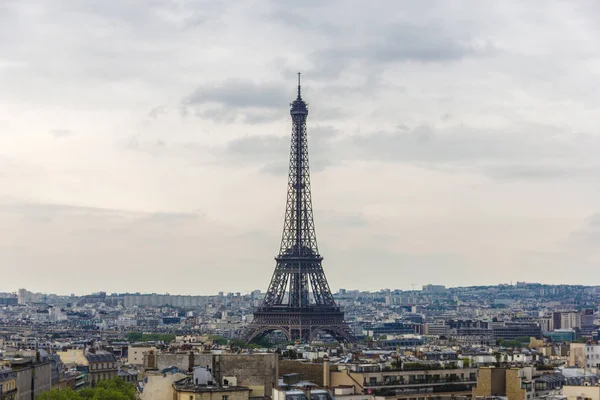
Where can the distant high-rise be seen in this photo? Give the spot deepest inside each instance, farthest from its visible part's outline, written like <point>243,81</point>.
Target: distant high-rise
<point>299,302</point>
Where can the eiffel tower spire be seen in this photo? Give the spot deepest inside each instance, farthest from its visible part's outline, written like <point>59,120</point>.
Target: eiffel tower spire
<point>299,302</point>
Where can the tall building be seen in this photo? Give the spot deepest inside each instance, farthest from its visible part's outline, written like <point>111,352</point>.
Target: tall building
<point>570,320</point>
<point>434,288</point>
<point>299,302</point>
<point>587,320</point>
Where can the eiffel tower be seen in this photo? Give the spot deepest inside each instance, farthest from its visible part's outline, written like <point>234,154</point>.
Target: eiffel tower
<point>299,302</point>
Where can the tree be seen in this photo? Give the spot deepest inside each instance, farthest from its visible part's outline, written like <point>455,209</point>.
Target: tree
<point>56,394</point>
<point>112,389</point>
<point>220,340</point>
<point>150,337</point>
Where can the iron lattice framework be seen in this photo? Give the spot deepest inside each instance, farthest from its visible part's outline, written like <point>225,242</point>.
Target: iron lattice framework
<point>299,302</point>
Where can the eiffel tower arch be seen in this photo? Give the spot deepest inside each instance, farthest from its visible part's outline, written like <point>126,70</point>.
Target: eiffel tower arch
<point>299,302</point>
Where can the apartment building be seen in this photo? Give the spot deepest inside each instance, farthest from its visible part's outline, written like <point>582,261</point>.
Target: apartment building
<point>101,366</point>
<point>8,383</point>
<point>420,382</point>
<point>516,383</point>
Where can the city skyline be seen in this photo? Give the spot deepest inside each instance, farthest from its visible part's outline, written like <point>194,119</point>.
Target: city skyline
<point>411,288</point>
<point>150,150</point>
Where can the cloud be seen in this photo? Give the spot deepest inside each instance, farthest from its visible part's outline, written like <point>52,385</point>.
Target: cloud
<point>156,111</point>
<point>343,219</point>
<point>48,212</point>
<point>498,155</point>
<point>437,130</point>
<point>61,133</point>
<point>238,101</point>
<point>588,234</point>
<point>240,94</point>
<point>271,152</point>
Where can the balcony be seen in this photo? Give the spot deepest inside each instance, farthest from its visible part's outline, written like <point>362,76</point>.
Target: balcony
<point>416,383</point>
<point>442,389</point>
<point>7,394</point>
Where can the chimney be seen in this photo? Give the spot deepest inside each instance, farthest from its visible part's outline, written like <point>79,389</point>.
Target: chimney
<point>191,362</point>
<point>151,360</point>
<point>326,372</point>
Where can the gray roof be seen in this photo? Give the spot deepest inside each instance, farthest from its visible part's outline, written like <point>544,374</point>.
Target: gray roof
<point>100,357</point>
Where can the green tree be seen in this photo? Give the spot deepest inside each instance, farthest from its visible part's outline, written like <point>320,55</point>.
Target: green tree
<point>220,340</point>
<point>55,394</point>
<point>150,337</point>
<point>135,336</point>
<point>112,389</point>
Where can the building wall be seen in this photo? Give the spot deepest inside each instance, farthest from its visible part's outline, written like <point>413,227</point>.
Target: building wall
<point>100,371</point>
<point>570,320</point>
<point>259,372</point>
<point>235,395</point>
<point>308,371</point>
<point>8,386</point>
<point>135,354</point>
<point>180,361</point>
<point>345,378</point>
<point>160,387</point>
<point>513,385</point>
<point>364,381</point>
<point>547,324</point>
<point>592,355</point>
<point>588,392</point>
<point>24,377</point>
<point>73,356</point>
<point>490,382</point>
<point>577,355</point>
<point>40,376</point>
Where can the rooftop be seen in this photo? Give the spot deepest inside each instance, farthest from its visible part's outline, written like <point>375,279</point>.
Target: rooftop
<point>187,385</point>
<point>100,357</point>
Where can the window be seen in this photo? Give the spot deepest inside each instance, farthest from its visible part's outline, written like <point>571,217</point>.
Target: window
<point>225,397</point>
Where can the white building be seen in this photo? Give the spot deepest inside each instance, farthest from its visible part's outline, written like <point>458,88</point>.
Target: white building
<point>592,355</point>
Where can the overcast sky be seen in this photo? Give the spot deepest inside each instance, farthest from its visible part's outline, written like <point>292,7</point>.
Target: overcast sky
<point>144,144</point>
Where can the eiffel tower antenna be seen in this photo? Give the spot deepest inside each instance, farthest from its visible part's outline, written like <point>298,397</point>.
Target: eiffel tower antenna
<point>299,302</point>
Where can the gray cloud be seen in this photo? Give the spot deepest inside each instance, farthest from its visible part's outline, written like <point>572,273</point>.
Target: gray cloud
<point>499,155</point>
<point>238,101</point>
<point>230,115</point>
<point>156,111</point>
<point>47,212</point>
<point>466,104</point>
<point>272,152</point>
<point>240,94</point>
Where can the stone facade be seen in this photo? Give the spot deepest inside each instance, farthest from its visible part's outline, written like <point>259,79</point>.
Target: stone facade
<point>33,380</point>
<point>218,394</point>
<point>8,384</point>
<point>259,372</point>
<point>101,366</point>
<point>499,382</point>
<point>308,371</point>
